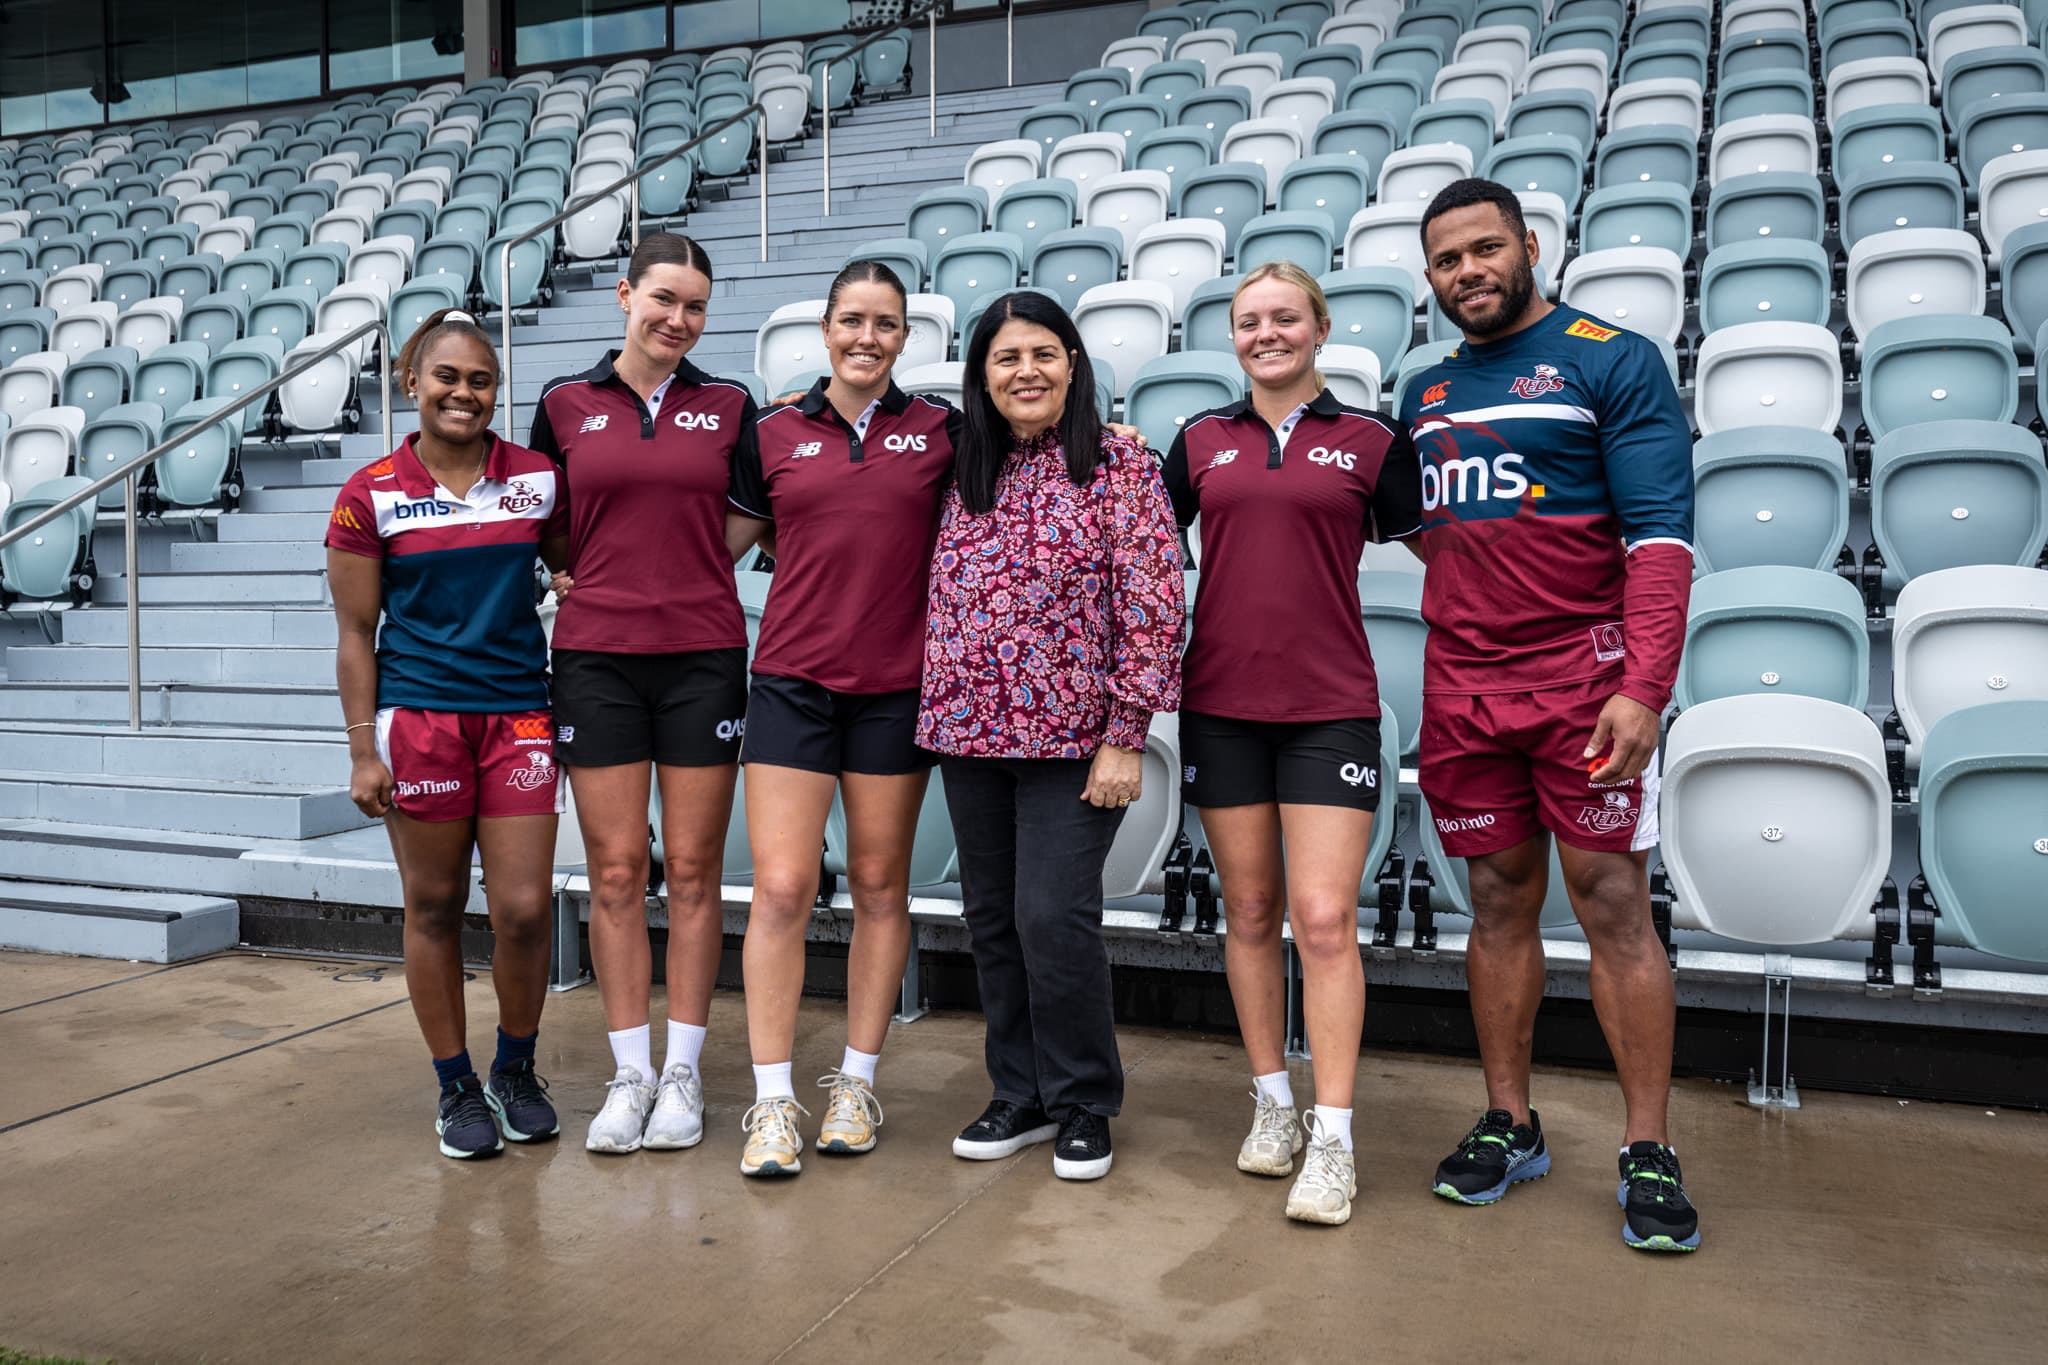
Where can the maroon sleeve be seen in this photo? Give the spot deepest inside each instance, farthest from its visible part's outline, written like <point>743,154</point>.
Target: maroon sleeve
<point>1654,597</point>
<point>1150,609</point>
<point>352,528</point>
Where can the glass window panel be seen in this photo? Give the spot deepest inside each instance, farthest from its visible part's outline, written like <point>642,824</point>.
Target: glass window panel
<point>51,65</point>
<point>547,32</point>
<point>380,42</point>
<point>791,18</point>
<point>705,24</point>
<point>188,56</point>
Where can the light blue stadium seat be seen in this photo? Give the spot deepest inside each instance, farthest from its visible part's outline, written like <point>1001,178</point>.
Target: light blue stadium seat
<point>1096,86</point>
<point>981,263</point>
<point>1572,113</point>
<point>49,563</point>
<point>1178,152</point>
<point>1765,280</point>
<point>1049,123</point>
<point>1231,194</point>
<point>1549,163</point>
<point>1205,323</point>
<point>99,380</point>
<point>1285,39</point>
<point>904,255</point>
<point>1871,38</point>
<point>1335,185</point>
<point>239,368</point>
<point>1997,125</point>
<point>198,471</point>
<point>1171,81</point>
<point>170,242</point>
<point>1654,214</point>
<point>1368,136</point>
<point>1337,63</point>
<point>731,152</point>
<point>116,246</point>
<point>1466,122</point>
<point>24,331</point>
<point>1779,91</point>
<point>253,272</point>
<point>1983,788</point>
<point>1372,306</point>
<point>529,270</point>
<point>1132,115</point>
<point>455,259</point>
<point>2024,289</point>
<point>1391,604</point>
<point>1775,204</point>
<point>1776,49</point>
<point>21,290</point>
<point>1439,24</point>
<point>1832,16</point>
<point>1395,93</point>
<point>1885,135</point>
<point>1070,263</point>
<point>287,231</point>
<point>1775,630</point>
<point>1937,369</point>
<point>191,278</point>
<point>115,437</point>
<point>885,63</point>
<point>1920,194</point>
<point>1303,238</point>
<point>215,319</point>
<point>1769,495</point>
<point>1168,23</point>
<point>1944,494</point>
<point>1990,73</point>
<point>172,375</point>
<point>284,314</point>
<point>1661,60</point>
<point>1673,24</point>
<point>1171,389</point>
<point>1645,154</point>
<point>1031,211</point>
<point>418,299</point>
<point>1214,108</point>
<point>946,214</point>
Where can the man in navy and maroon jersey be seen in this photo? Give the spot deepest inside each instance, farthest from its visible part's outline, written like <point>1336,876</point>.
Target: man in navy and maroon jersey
<point>1557,505</point>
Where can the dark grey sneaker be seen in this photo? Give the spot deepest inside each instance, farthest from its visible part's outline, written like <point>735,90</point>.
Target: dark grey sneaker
<point>467,1123</point>
<point>1656,1215</point>
<point>1082,1152</point>
<point>1004,1128</point>
<point>519,1099</point>
<point>1496,1154</point>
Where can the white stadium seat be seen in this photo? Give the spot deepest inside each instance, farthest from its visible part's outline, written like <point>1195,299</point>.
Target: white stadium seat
<point>1913,272</point>
<point>1124,325</point>
<point>1641,288</point>
<point>1768,374</point>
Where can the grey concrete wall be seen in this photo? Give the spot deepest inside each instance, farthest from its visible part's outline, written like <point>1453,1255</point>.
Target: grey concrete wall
<point>1049,46</point>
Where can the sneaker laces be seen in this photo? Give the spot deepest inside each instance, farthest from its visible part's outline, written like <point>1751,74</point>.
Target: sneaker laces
<point>1270,1119</point>
<point>524,1085</point>
<point>1655,1176</point>
<point>773,1121</point>
<point>1488,1129</point>
<point>681,1082</point>
<point>619,1090</point>
<point>1323,1163</point>
<point>851,1098</point>
<point>467,1106</point>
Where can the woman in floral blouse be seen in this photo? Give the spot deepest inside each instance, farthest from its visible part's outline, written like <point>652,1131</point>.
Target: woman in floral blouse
<point>1054,634</point>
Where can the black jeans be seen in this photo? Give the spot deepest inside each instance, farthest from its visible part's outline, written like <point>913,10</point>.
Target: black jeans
<point>1031,856</point>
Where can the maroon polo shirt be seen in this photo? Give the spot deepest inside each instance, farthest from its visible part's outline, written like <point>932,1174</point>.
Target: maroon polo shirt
<point>855,508</point>
<point>1285,516</point>
<point>647,500</point>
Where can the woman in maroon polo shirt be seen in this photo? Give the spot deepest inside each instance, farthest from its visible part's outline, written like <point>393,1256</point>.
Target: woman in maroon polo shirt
<point>850,478</point>
<point>1280,743</point>
<point>650,668</point>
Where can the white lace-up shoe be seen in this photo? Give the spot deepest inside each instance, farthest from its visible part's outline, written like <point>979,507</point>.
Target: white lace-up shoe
<point>1270,1147</point>
<point>678,1119</point>
<point>1328,1181</point>
<point>618,1126</point>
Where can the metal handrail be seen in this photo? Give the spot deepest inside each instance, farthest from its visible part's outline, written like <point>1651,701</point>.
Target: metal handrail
<point>931,17</point>
<point>131,471</point>
<point>630,182</point>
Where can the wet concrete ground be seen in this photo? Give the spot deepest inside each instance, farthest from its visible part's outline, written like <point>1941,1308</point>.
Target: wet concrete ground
<point>234,1161</point>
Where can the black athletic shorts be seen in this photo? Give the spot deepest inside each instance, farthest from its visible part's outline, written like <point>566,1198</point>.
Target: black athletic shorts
<point>680,710</point>
<point>1229,762</point>
<point>792,723</point>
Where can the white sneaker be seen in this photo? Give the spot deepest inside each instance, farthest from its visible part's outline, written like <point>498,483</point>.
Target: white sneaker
<point>617,1127</point>
<point>678,1119</point>
<point>1327,1184</point>
<point>1270,1147</point>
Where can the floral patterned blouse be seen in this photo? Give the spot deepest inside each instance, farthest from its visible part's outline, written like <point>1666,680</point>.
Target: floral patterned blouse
<point>1055,619</point>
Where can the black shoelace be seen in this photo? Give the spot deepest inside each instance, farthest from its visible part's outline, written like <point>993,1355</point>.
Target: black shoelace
<point>1655,1177</point>
<point>523,1085</point>
<point>1488,1129</point>
<point>468,1107</point>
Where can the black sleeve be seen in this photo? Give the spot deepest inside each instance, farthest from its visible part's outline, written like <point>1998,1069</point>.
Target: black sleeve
<point>747,487</point>
<point>956,428</point>
<point>1179,487</point>
<point>542,437</point>
<point>1397,493</point>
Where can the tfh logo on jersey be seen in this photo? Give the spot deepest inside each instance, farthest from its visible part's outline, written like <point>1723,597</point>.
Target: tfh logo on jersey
<point>1545,381</point>
<point>520,496</point>
<point>1587,331</point>
<point>1222,457</point>
<point>697,421</point>
<point>538,772</point>
<point>1615,812</point>
<point>903,442</point>
<point>806,450</point>
<point>1343,459</point>
<point>593,423</point>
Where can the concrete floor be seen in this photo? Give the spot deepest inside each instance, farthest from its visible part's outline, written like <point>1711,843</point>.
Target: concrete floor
<point>233,1160</point>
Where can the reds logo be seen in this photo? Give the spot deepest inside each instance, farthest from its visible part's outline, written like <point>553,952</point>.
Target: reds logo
<point>521,497</point>
<point>1615,812</point>
<point>538,772</point>
<point>1545,381</point>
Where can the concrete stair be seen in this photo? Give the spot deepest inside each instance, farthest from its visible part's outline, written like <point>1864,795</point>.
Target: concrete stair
<point>91,921</point>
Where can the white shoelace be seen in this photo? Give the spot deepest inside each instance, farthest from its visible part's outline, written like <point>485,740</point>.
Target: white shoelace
<point>851,1098</point>
<point>686,1088</point>
<point>1270,1120</point>
<point>776,1120</point>
<point>626,1091</point>
<point>1323,1164</point>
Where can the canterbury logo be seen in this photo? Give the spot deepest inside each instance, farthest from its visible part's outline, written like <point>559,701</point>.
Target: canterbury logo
<point>531,727</point>
<point>1343,459</point>
<point>697,421</point>
<point>903,443</point>
<point>380,470</point>
<point>1436,393</point>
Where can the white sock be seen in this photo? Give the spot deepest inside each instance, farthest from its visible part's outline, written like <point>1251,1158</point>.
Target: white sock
<point>1275,1087</point>
<point>861,1064</point>
<point>634,1047</point>
<point>1336,1121</point>
<point>772,1082</point>
<point>685,1044</point>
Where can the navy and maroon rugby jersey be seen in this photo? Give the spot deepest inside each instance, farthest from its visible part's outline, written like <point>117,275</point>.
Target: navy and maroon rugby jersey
<point>855,510</point>
<point>648,489</point>
<point>1557,506</point>
<point>1285,515</point>
<point>460,630</point>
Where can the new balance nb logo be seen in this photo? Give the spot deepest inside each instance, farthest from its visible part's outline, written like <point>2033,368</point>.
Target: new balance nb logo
<point>1222,457</point>
<point>594,423</point>
<point>806,450</point>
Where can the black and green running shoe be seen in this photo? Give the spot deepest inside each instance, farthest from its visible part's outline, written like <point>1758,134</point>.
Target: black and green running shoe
<point>1497,1153</point>
<point>1656,1215</point>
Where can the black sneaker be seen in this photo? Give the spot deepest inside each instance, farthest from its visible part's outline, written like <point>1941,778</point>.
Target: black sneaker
<point>518,1098</point>
<point>468,1125</point>
<point>1656,1215</point>
<point>1497,1153</point>
<point>1082,1152</point>
<point>1003,1128</point>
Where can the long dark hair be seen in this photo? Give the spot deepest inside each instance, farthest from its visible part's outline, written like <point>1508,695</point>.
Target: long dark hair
<point>985,438</point>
